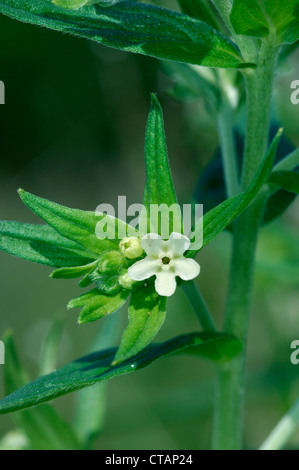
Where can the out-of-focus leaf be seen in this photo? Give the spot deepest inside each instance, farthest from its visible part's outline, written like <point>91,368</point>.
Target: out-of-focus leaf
<point>200,9</point>
<point>97,367</point>
<point>288,180</point>
<point>49,353</point>
<point>261,18</point>
<point>147,312</point>
<point>217,219</point>
<point>135,27</point>
<point>92,401</point>
<point>43,427</point>
<point>41,244</point>
<point>192,82</point>
<point>95,305</point>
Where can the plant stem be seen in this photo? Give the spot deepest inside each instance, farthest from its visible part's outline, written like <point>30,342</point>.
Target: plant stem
<point>199,306</point>
<point>228,424</point>
<point>226,136</point>
<point>284,430</point>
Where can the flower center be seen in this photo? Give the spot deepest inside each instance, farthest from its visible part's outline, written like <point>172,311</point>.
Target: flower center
<point>165,260</point>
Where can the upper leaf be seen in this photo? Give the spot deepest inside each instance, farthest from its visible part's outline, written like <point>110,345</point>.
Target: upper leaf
<point>41,244</point>
<point>97,367</point>
<point>159,187</point>
<point>217,219</point>
<point>261,18</point>
<point>199,9</point>
<point>135,27</point>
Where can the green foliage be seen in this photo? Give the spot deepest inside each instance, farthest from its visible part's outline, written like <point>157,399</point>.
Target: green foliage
<point>96,305</point>
<point>159,187</point>
<point>97,367</point>
<point>288,180</point>
<point>217,219</point>
<point>262,18</point>
<point>74,4</point>
<point>43,426</point>
<point>74,224</point>
<point>134,27</point>
<point>200,9</point>
<point>41,244</point>
<point>147,312</point>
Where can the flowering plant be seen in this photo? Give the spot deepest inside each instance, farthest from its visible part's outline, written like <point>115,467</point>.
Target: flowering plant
<point>145,267</point>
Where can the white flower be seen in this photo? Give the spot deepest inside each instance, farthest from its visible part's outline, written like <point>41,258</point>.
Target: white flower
<point>165,260</point>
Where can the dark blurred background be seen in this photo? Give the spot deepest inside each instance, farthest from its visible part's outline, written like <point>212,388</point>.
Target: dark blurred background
<point>72,130</point>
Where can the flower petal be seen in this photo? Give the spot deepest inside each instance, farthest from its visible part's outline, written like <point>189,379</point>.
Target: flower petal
<point>178,244</point>
<point>165,283</point>
<point>143,269</point>
<point>153,244</point>
<point>186,269</point>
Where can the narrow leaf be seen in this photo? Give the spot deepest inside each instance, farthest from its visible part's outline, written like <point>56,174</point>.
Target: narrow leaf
<point>73,272</point>
<point>135,27</point>
<point>147,313</point>
<point>95,305</point>
<point>217,219</point>
<point>97,367</point>
<point>288,180</point>
<point>41,244</point>
<point>261,18</point>
<point>74,224</point>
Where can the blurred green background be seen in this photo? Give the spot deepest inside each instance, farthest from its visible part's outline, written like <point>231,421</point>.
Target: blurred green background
<point>72,130</point>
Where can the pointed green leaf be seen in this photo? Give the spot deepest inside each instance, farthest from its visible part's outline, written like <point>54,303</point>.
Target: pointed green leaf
<point>217,219</point>
<point>288,180</point>
<point>74,224</point>
<point>97,367</point>
<point>43,426</point>
<point>159,189</point>
<point>74,4</point>
<point>135,27</point>
<point>147,313</point>
<point>41,244</point>
<point>261,18</point>
<point>73,272</point>
<point>95,305</point>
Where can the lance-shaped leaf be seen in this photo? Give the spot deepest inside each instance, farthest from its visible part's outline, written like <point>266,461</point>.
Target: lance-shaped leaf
<point>74,4</point>
<point>74,224</point>
<point>147,312</point>
<point>41,244</point>
<point>43,426</point>
<point>261,18</point>
<point>96,305</point>
<point>217,219</point>
<point>159,190</point>
<point>74,271</point>
<point>97,367</point>
<point>135,27</point>
<point>288,180</point>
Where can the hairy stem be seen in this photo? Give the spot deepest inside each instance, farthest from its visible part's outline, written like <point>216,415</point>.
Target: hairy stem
<point>230,393</point>
<point>199,306</point>
<point>227,141</point>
